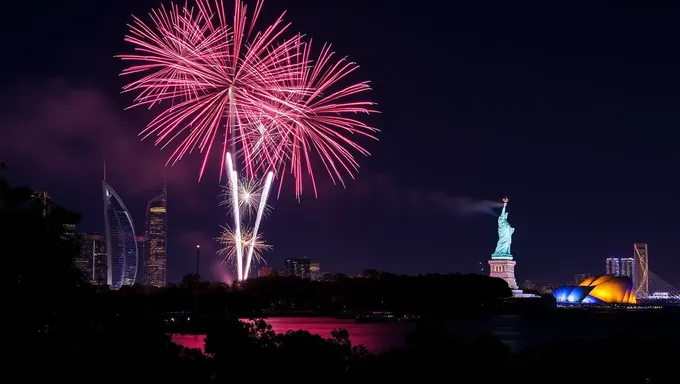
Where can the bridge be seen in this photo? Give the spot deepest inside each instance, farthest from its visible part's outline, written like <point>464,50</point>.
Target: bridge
<point>659,289</point>
<point>648,285</point>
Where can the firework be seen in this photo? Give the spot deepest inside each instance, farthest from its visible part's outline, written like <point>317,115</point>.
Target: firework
<point>317,121</point>
<point>213,75</point>
<point>231,243</point>
<point>235,198</point>
<point>249,194</point>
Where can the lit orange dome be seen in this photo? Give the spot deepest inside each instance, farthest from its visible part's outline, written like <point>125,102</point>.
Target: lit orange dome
<point>608,289</point>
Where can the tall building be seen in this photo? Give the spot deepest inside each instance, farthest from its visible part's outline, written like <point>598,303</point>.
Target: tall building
<point>122,254</point>
<point>43,201</point>
<point>156,258</point>
<point>628,267</point>
<point>92,260</point>
<point>579,277</point>
<point>641,260</point>
<point>298,267</point>
<point>315,271</point>
<point>141,252</point>
<point>613,266</point>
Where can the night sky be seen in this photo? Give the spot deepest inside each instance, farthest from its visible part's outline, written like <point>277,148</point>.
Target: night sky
<point>571,112</point>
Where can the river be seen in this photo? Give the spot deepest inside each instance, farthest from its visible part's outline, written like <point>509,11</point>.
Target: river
<point>516,331</point>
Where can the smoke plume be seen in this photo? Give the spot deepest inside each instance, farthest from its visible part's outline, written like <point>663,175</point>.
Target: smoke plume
<point>383,190</point>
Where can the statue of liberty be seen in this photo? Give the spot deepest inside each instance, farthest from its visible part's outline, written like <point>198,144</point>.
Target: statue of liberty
<point>505,232</point>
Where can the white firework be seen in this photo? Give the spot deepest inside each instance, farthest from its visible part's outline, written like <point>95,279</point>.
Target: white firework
<point>249,195</point>
<point>232,243</point>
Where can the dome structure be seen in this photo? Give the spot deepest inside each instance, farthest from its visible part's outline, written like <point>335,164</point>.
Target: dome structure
<point>604,289</point>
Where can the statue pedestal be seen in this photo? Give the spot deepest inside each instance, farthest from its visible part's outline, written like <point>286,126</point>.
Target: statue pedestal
<point>504,269</point>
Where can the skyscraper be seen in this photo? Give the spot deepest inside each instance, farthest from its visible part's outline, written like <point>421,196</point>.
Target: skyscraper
<point>155,262</point>
<point>43,201</point>
<point>628,267</point>
<point>612,266</point>
<point>579,277</point>
<point>122,254</point>
<point>298,267</point>
<point>92,260</point>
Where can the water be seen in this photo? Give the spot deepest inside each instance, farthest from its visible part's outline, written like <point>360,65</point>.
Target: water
<point>375,337</point>
<point>516,331</point>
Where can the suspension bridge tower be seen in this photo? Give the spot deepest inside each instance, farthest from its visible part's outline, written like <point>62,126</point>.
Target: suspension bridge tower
<point>641,273</point>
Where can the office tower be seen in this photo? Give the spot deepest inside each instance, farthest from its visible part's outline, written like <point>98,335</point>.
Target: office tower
<point>141,253</point>
<point>315,271</point>
<point>122,254</point>
<point>92,258</point>
<point>43,202</point>
<point>156,241</point>
<point>628,267</point>
<point>641,262</point>
<point>579,277</point>
<point>298,267</point>
<point>613,266</point>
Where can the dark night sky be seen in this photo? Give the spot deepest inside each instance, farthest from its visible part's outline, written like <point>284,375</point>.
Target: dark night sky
<point>572,113</point>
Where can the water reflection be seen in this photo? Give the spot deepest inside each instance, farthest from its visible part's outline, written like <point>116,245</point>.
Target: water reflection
<point>517,332</point>
<point>375,337</point>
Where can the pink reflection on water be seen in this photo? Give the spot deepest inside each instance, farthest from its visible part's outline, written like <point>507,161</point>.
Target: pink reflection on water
<point>376,337</point>
<point>189,341</point>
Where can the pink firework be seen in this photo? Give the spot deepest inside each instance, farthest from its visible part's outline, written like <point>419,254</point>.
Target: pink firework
<point>211,74</point>
<point>319,120</point>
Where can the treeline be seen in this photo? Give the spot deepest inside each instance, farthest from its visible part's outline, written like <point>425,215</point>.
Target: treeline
<point>425,294</point>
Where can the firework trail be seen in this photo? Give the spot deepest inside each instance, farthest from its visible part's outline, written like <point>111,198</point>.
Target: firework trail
<point>237,194</point>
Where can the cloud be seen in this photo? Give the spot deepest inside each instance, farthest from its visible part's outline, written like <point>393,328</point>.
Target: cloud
<point>64,130</point>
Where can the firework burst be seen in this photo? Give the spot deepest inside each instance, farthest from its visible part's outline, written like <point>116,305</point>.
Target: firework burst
<point>231,242</point>
<point>213,75</point>
<point>249,195</point>
<point>319,121</point>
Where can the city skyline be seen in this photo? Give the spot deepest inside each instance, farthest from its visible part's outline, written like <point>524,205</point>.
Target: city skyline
<point>553,120</point>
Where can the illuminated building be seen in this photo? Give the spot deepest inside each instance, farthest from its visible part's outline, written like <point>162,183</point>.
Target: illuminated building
<point>92,258</point>
<point>141,252</point>
<point>628,267</point>
<point>579,277</point>
<point>298,267</point>
<point>43,202</point>
<point>122,254</point>
<point>156,259</point>
<point>267,272</point>
<point>641,277</point>
<point>604,289</point>
<point>613,266</point>
<point>315,271</point>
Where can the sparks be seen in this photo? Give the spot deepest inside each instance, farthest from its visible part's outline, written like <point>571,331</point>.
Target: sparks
<point>231,243</point>
<point>249,194</point>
